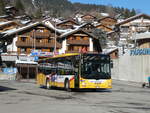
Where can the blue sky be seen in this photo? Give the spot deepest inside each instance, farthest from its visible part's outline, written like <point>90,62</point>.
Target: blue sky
<point>142,5</point>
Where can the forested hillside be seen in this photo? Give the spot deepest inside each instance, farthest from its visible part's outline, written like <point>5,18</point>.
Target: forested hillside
<point>62,8</point>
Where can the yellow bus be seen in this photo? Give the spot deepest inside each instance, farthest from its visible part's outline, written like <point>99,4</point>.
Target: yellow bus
<point>75,71</point>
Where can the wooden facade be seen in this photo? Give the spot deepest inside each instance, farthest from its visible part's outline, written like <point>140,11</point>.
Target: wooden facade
<point>11,10</point>
<point>4,26</point>
<point>136,24</point>
<point>26,71</point>
<point>107,21</point>
<point>80,41</point>
<point>39,38</point>
<point>67,24</point>
<point>114,54</point>
<point>104,28</point>
<point>143,43</point>
<point>76,42</point>
<point>87,27</point>
<point>88,18</point>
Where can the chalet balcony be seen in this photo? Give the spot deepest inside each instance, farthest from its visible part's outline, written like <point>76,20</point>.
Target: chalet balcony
<point>31,44</point>
<point>40,34</point>
<point>78,42</point>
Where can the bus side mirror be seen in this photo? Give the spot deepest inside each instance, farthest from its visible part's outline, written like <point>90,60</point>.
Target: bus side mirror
<point>111,64</point>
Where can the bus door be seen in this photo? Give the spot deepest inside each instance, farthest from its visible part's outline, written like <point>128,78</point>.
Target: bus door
<point>76,74</point>
<point>60,77</point>
<point>53,78</point>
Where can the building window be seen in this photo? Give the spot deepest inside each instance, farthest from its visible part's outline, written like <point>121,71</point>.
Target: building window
<point>38,40</point>
<point>51,49</point>
<point>49,40</point>
<point>23,39</point>
<point>70,48</point>
<point>23,50</point>
<point>78,38</point>
<point>40,30</point>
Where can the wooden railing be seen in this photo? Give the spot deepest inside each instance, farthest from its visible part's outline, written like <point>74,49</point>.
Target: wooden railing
<point>40,34</point>
<point>37,44</point>
<point>78,42</point>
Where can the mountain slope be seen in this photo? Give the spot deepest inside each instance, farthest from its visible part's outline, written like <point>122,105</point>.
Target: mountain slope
<point>65,8</point>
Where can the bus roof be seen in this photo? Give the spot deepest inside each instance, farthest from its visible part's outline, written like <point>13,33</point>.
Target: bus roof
<point>70,54</point>
<point>61,55</point>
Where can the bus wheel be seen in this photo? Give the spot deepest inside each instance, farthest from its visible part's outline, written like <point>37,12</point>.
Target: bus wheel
<point>47,84</point>
<point>67,85</point>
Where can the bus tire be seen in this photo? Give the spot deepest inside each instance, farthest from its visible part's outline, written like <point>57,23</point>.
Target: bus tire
<point>47,84</point>
<point>67,85</point>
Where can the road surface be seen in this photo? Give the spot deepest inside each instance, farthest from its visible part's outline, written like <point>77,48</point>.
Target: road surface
<point>27,97</point>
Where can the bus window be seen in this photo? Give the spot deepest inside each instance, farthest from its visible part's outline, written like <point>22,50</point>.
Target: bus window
<point>96,68</point>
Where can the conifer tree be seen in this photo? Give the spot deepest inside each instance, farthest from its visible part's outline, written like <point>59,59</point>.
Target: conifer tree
<point>2,7</point>
<point>38,13</point>
<point>133,12</point>
<point>127,13</point>
<point>19,6</point>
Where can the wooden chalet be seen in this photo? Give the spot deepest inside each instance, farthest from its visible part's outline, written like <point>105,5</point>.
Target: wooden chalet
<point>133,25</point>
<point>7,17</point>
<point>3,20</point>
<point>36,36</point>
<point>87,27</point>
<point>11,10</point>
<point>88,18</point>
<point>67,24</point>
<point>79,41</point>
<point>107,21</point>
<point>137,23</point>
<point>113,36</point>
<point>139,16</point>
<point>104,28</point>
<point>142,40</point>
<point>8,25</point>
<point>113,53</point>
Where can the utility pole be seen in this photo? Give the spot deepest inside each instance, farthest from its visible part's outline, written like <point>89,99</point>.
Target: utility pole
<point>34,40</point>
<point>55,38</point>
<point>55,41</point>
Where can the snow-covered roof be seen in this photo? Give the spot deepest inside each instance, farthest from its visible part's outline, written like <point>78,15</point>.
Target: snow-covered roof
<point>16,30</point>
<point>25,21</point>
<point>8,7</point>
<point>69,32</point>
<point>108,33</point>
<point>133,18</point>
<point>104,14</point>
<point>4,16</point>
<point>48,23</point>
<point>5,23</point>
<point>138,36</point>
<point>74,31</point>
<point>69,20</point>
<point>109,50</point>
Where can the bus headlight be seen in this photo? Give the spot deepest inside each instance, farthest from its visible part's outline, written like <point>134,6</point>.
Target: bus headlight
<point>109,84</point>
<point>84,84</point>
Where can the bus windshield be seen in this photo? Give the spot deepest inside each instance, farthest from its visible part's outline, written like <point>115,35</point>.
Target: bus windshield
<point>96,67</point>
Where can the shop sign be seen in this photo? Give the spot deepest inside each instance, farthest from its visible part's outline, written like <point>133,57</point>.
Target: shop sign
<point>144,51</point>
